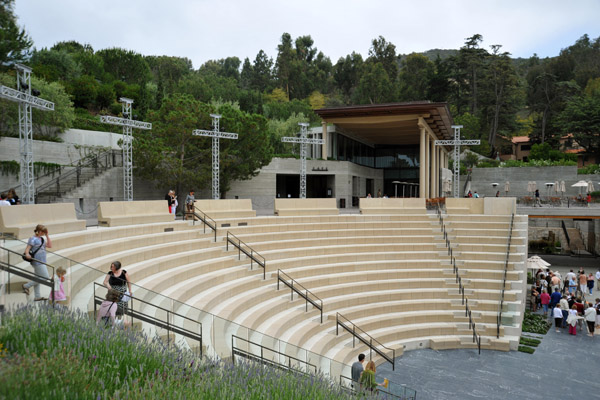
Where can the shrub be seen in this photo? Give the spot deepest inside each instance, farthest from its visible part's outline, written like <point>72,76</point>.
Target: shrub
<point>530,342</point>
<point>526,349</point>
<point>64,354</point>
<point>535,323</point>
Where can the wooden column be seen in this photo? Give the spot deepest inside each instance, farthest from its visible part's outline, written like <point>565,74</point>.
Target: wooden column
<point>324,145</point>
<point>422,174</point>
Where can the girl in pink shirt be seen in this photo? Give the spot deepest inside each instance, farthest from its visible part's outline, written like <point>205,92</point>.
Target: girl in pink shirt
<point>545,299</point>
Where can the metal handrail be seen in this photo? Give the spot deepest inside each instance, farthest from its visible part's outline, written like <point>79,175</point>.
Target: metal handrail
<point>92,162</point>
<point>13,269</point>
<point>57,171</point>
<point>250,356</point>
<point>461,288</point>
<point>254,255</point>
<point>501,304</point>
<point>305,296</point>
<point>158,322</point>
<point>369,343</point>
<point>206,220</point>
<point>407,393</point>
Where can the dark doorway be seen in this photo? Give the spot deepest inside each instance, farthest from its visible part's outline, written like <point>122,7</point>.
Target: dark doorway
<point>316,186</point>
<point>289,186</point>
<point>370,187</point>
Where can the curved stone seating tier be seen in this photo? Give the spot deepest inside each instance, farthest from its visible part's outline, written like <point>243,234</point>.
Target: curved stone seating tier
<point>387,273</point>
<point>287,207</point>
<point>119,213</point>
<point>226,208</point>
<point>98,235</point>
<point>21,221</point>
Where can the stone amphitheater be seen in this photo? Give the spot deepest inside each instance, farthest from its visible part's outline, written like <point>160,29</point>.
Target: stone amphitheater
<point>400,276</point>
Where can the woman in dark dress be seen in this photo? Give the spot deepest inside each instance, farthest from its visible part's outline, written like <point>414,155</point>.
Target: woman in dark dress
<point>118,280</point>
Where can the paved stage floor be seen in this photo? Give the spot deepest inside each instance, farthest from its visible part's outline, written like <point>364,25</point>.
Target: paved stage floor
<point>562,367</point>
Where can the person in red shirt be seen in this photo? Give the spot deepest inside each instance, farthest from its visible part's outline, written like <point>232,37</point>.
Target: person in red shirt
<point>545,298</point>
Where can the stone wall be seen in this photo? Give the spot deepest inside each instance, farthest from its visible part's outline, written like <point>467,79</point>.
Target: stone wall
<point>77,143</point>
<point>262,188</point>
<point>482,179</point>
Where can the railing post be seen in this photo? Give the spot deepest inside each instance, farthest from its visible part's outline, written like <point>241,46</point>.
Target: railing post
<point>278,279</point>
<point>306,294</point>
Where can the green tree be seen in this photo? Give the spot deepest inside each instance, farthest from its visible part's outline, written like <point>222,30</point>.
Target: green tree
<point>375,86</point>
<point>14,41</point>
<point>500,95</point>
<point>55,65</point>
<point>581,117</point>
<point>171,156</point>
<point>347,72</point>
<point>384,52</point>
<point>415,76</point>
<point>45,123</point>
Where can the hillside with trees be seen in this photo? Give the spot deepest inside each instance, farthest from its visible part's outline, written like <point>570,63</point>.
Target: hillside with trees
<point>488,92</point>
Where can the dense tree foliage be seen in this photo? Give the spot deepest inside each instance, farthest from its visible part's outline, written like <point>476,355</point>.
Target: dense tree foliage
<point>14,42</point>
<point>493,95</point>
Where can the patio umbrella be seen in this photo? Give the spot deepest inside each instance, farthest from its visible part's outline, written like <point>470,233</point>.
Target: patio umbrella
<point>529,187</point>
<point>580,184</point>
<point>590,187</point>
<point>556,187</point>
<point>563,187</point>
<point>536,262</point>
<point>533,186</point>
<point>507,187</point>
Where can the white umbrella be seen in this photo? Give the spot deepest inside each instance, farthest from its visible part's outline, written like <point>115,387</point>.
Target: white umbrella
<point>590,187</point>
<point>580,184</point>
<point>536,262</point>
<point>556,187</point>
<point>507,186</point>
<point>563,187</point>
<point>529,187</point>
<point>533,186</point>
<point>468,188</point>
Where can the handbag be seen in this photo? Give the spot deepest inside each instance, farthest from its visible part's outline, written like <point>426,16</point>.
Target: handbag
<point>32,253</point>
<point>126,297</point>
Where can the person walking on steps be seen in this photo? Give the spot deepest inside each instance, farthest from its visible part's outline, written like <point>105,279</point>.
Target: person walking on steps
<point>35,253</point>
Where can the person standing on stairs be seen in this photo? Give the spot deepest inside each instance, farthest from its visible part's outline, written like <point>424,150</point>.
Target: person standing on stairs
<point>357,370</point>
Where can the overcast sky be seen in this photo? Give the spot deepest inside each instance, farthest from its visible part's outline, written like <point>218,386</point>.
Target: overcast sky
<point>202,30</point>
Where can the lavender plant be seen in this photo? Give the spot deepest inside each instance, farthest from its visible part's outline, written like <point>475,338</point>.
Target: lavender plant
<point>61,354</point>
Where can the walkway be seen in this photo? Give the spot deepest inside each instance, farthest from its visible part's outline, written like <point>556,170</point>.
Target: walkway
<point>561,361</point>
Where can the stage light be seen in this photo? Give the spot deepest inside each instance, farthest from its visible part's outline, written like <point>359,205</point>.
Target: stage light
<point>35,92</point>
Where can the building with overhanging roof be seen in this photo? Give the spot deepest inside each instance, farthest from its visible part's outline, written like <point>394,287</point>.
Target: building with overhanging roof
<point>385,149</point>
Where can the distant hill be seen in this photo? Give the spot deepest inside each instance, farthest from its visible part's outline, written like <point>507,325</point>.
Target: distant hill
<point>433,54</point>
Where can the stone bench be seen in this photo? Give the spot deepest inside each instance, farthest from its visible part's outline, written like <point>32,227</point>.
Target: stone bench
<point>20,221</point>
<point>290,207</point>
<point>119,213</point>
<point>225,208</point>
<point>392,206</point>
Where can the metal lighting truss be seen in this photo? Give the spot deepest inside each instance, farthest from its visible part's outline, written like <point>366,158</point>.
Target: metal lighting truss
<point>215,135</point>
<point>457,142</point>
<point>26,101</point>
<point>128,124</point>
<point>303,140</point>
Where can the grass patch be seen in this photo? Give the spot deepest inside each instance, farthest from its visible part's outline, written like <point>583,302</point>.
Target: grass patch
<point>526,349</point>
<point>57,354</point>
<point>535,323</point>
<point>530,342</point>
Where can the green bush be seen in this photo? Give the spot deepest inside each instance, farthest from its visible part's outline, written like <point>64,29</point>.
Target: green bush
<point>535,323</point>
<point>590,169</point>
<point>61,354</point>
<point>530,342</point>
<point>526,349</point>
